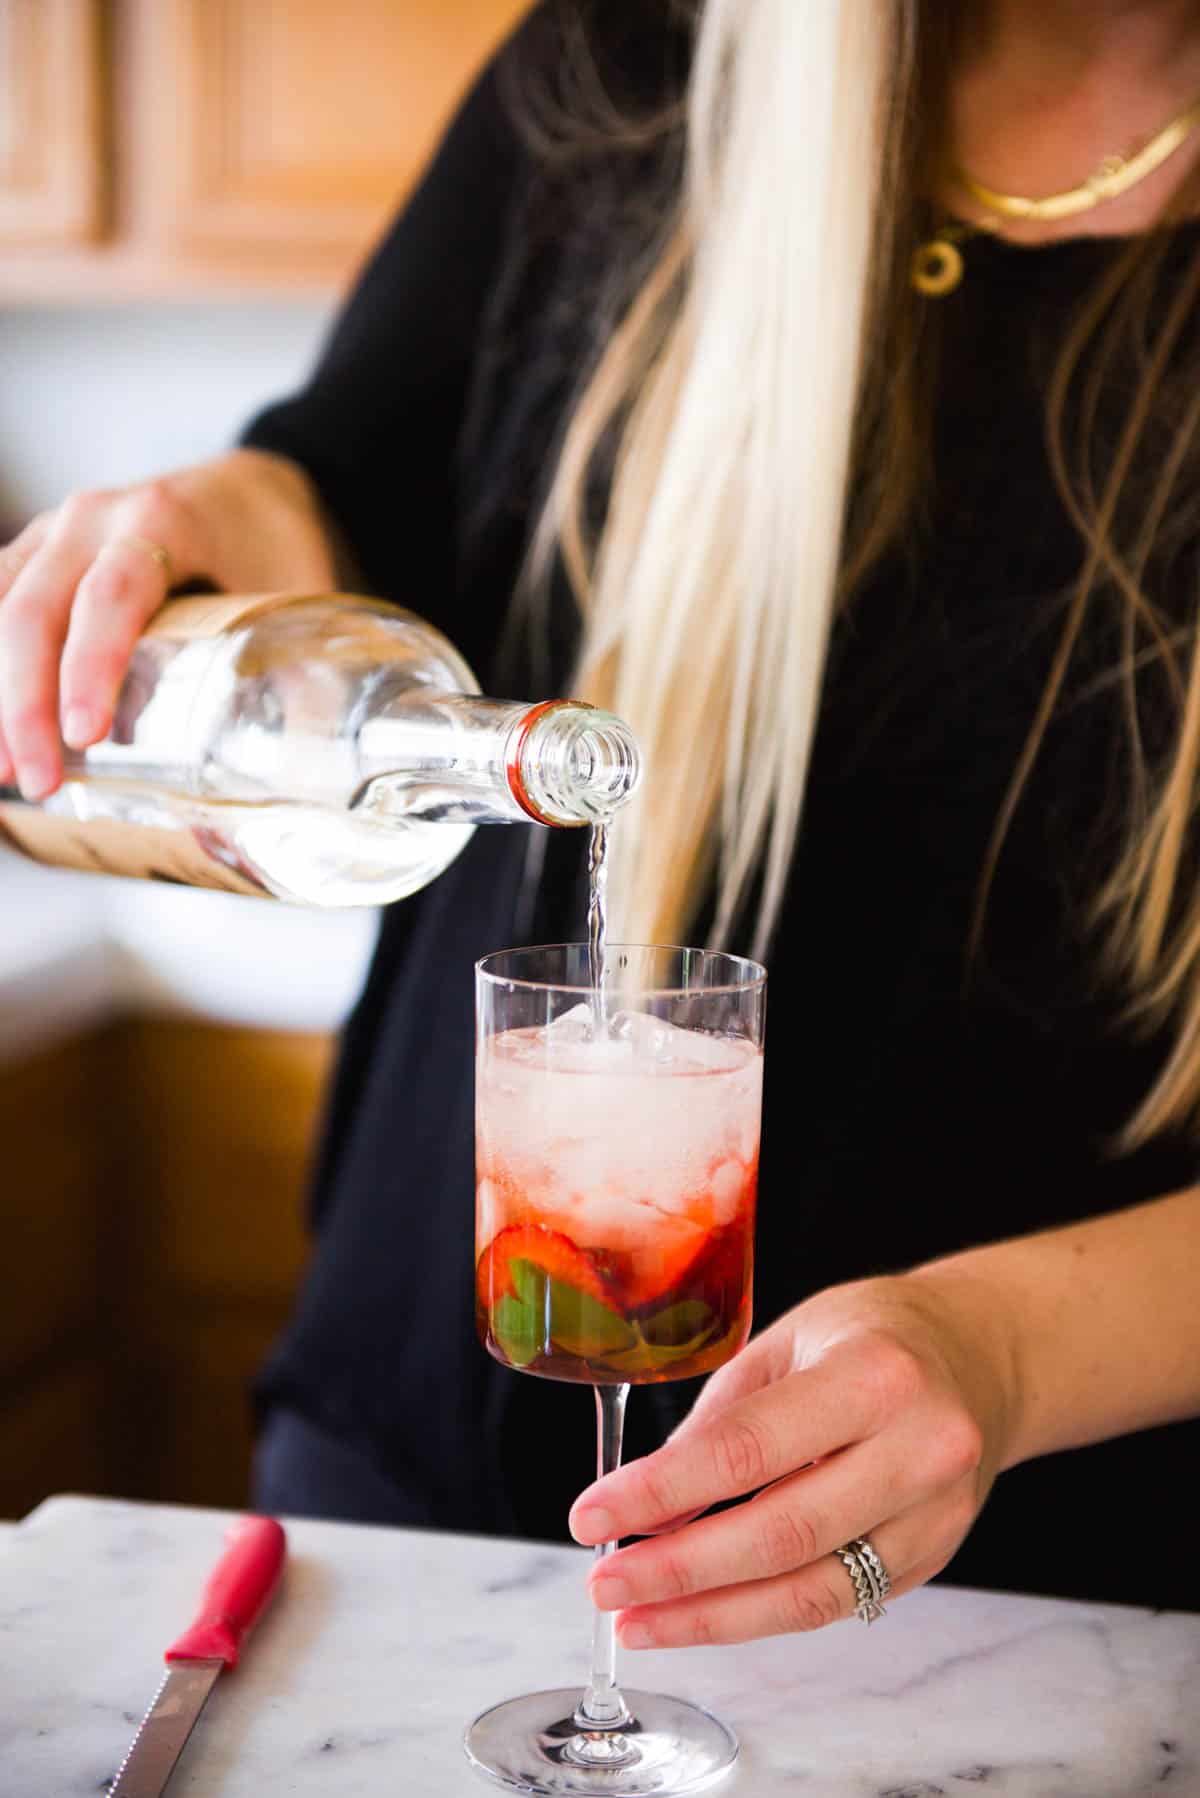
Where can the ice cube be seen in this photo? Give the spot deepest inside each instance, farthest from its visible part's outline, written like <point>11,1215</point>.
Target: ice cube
<point>487,1211</point>
<point>614,1218</point>
<point>671,1048</point>
<point>574,1026</point>
<point>649,1037</point>
<point>719,1053</point>
<point>727,1186</point>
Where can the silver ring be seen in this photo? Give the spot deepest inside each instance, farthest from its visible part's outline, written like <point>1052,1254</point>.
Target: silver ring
<point>872,1582</point>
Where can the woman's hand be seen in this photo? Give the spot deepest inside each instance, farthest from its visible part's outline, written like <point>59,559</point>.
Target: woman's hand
<point>880,1409</point>
<point>80,583</point>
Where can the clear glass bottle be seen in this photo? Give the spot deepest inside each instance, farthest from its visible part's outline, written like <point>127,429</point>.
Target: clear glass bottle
<point>330,751</point>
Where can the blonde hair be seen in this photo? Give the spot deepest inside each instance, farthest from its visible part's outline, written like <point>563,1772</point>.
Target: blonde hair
<point>771,368</point>
<point>708,599</point>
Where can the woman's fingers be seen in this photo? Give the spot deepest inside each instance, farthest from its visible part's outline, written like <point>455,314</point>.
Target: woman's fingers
<point>750,1443</point>
<point>764,1360</point>
<point>799,1519</point>
<point>16,554</point>
<point>790,1524</point>
<point>844,1420</point>
<point>677,1523</point>
<point>913,1547</point>
<point>149,537</point>
<point>13,558</point>
<point>76,590</point>
<point>33,627</point>
<point>123,588</point>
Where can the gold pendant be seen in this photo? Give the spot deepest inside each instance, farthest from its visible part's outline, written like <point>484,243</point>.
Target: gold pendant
<point>937,267</point>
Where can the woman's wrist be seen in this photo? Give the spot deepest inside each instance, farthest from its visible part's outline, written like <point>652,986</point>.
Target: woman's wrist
<point>980,1321</point>
<point>1088,1331</point>
<point>961,1316</point>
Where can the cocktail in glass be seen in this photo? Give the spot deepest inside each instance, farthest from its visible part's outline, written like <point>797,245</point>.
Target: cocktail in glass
<point>617,1161</point>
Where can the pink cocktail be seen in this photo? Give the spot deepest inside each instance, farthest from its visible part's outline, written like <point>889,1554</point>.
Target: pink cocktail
<point>616,1185</point>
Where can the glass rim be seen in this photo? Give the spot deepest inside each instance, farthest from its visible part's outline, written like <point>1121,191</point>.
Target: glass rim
<point>755,978</point>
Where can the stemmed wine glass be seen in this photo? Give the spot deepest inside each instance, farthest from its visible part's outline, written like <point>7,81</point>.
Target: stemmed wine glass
<point>617,1164</point>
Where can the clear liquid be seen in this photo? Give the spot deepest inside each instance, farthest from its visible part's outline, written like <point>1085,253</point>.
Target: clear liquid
<point>597,920</point>
<point>306,854</point>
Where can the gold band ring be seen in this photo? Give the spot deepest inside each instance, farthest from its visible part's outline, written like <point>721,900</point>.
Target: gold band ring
<point>156,552</point>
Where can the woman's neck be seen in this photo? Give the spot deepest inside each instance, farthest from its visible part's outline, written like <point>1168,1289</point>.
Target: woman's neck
<point>1044,90</point>
<point>1070,38</point>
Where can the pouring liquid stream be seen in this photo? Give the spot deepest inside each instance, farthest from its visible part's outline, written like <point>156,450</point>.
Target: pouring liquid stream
<point>597,923</point>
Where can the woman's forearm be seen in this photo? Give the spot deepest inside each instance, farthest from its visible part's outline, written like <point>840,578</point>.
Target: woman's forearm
<point>1097,1325</point>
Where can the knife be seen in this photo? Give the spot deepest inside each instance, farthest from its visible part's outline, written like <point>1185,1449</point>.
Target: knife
<point>236,1594</point>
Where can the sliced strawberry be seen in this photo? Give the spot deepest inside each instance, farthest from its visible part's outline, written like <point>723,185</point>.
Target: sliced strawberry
<point>554,1253</point>
<point>684,1251</point>
<point>715,1270</point>
<point>660,1264</point>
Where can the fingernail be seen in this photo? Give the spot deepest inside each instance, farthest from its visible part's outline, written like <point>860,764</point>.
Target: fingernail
<point>592,1525</point>
<point>37,780</point>
<point>611,1594</point>
<point>81,726</point>
<point>636,1635</point>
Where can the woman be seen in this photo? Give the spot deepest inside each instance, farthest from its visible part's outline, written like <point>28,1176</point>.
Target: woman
<point>647,339</point>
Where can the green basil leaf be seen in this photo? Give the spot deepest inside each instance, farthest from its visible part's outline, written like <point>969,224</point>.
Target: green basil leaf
<point>529,1280</point>
<point>646,1358</point>
<point>688,1322</point>
<point>581,1325</point>
<point>518,1328</point>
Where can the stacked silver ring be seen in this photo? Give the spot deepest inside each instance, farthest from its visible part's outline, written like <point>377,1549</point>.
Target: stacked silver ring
<point>870,1576</point>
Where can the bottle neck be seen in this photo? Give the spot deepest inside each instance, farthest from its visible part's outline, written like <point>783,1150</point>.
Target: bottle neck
<point>524,776</point>
<point>461,756</point>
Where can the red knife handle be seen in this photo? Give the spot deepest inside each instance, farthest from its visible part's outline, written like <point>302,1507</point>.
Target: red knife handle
<point>240,1585</point>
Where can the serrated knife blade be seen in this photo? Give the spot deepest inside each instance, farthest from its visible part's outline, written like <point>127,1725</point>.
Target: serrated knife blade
<point>164,1730</point>
<point>234,1598</point>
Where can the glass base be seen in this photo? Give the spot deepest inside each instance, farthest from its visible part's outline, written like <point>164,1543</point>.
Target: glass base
<point>534,1744</point>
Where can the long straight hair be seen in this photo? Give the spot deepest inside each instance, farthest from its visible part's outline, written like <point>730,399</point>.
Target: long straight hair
<point>768,388</point>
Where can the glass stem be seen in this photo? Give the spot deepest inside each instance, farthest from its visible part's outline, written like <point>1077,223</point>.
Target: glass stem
<point>602,1706</point>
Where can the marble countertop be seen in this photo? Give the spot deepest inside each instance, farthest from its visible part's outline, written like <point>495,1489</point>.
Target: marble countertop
<point>383,1643</point>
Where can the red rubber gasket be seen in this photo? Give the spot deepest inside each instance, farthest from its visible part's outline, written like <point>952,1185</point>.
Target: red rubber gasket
<point>516,781</point>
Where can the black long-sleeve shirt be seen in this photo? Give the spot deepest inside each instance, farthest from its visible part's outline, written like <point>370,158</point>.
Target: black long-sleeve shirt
<point>909,1111</point>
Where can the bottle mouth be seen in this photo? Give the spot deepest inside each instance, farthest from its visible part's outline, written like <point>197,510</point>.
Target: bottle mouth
<point>570,764</point>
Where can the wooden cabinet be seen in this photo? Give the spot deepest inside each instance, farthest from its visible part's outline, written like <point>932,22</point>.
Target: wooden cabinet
<point>177,146</point>
<point>61,1189</point>
<point>223,1121</point>
<point>54,1430</point>
<point>52,141</point>
<point>58,1155</point>
<point>294,129</point>
<point>151,1201</point>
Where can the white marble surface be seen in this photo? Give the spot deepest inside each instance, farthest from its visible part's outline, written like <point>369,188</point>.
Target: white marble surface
<point>383,1643</point>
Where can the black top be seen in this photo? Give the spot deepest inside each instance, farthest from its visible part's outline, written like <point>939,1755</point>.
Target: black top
<point>907,1112</point>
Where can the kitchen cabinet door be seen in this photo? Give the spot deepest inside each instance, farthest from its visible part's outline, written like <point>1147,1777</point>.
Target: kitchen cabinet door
<point>55,1439</point>
<point>291,128</point>
<point>51,122</point>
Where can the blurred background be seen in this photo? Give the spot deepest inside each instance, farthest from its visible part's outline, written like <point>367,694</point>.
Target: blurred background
<point>186,187</point>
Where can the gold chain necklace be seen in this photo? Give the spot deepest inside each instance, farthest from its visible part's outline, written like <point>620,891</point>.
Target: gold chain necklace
<point>937,266</point>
